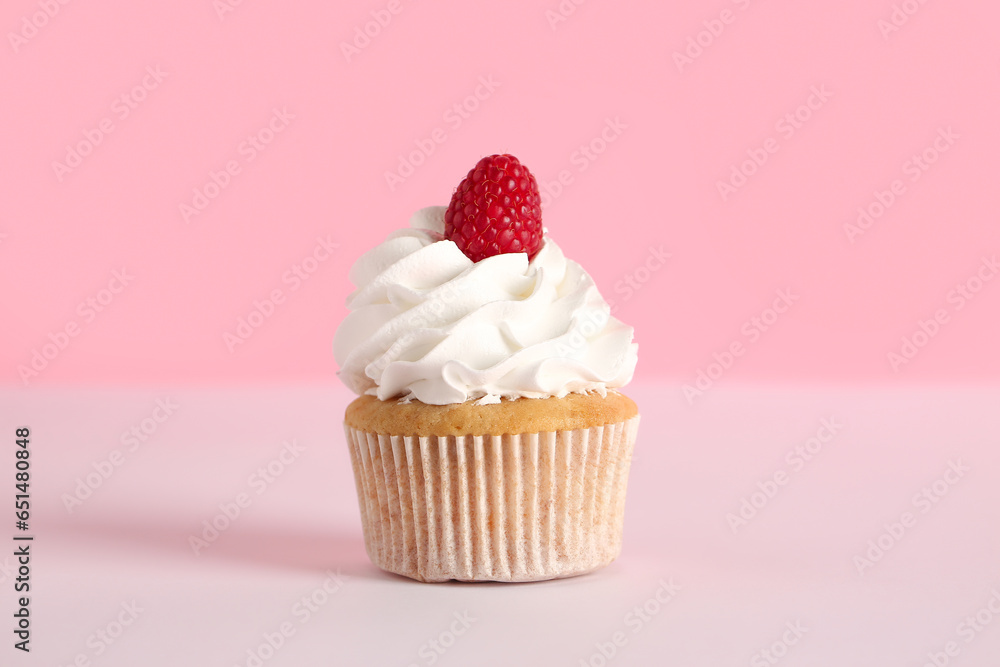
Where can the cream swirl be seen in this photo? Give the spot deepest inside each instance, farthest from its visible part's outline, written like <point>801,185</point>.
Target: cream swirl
<point>428,323</point>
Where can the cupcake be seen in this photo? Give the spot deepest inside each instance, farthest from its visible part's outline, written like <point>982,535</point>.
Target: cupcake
<point>489,440</point>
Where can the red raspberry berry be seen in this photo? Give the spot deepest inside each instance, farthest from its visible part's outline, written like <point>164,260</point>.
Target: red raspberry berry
<point>496,209</point>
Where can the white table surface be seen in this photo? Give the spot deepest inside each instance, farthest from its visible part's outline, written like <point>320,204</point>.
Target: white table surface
<point>791,564</point>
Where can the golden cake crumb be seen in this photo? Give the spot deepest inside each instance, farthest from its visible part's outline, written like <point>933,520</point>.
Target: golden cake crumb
<point>523,415</point>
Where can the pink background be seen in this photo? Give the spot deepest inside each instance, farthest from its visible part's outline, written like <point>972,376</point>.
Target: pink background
<point>655,185</point>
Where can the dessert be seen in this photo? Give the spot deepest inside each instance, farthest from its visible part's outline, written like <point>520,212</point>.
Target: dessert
<point>489,441</point>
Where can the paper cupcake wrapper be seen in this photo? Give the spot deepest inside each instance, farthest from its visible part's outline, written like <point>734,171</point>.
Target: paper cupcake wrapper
<point>520,507</point>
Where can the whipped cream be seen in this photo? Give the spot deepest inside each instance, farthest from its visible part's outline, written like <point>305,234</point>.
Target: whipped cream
<point>428,323</point>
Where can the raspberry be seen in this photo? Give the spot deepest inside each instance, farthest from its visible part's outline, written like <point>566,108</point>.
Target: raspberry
<point>496,209</point>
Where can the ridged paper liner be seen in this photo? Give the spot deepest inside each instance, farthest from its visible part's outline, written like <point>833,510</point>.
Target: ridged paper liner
<point>520,507</point>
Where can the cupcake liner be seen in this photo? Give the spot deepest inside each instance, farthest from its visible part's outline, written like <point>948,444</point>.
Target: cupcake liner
<point>522,507</point>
